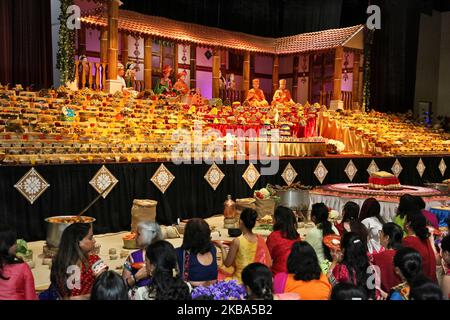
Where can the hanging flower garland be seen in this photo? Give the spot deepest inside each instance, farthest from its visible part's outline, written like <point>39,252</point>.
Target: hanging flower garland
<point>65,61</point>
<point>367,65</point>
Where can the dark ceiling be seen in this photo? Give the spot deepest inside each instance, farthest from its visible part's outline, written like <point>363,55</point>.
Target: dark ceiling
<point>275,18</point>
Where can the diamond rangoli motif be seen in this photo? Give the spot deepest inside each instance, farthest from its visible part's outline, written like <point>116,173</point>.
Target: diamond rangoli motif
<point>162,178</point>
<point>289,174</point>
<point>103,181</point>
<point>214,176</point>
<point>31,185</point>
<point>351,170</point>
<point>442,166</point>
<point>397,168</point>
<point>251,175</point>
<point>320,172</point>
<point>420,167</point>
<point>373,168</point>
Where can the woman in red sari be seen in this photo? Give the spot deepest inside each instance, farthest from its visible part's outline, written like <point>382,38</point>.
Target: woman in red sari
<point>74,268</point>
<point>247,248</point>
<point>391,239</point>
<point>419,238</point>
<point>282,238</point>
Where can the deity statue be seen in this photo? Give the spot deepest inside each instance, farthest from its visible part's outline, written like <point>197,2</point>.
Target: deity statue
<point>181,85</point>
<point>130,74</point>
<point>165,84</point>
<point>255,96</point>
<point>282,95</point>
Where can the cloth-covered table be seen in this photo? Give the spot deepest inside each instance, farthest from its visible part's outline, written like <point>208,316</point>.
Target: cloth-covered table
<point>332,129</point>
<point>297,131</point>
<point>297,149</point>
<point>388,204</point>
<point>442,214</point>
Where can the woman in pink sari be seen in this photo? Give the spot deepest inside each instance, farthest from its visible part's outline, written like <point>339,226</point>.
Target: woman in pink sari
<point>244,250</point>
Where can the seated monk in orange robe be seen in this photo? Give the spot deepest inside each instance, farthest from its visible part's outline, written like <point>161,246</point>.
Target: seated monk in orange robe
<point>255,96</point>
<point>181,85</point>
<point>282,95</point>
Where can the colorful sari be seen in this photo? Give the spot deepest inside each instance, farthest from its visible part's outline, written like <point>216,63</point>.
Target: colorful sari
<point>249,252</point>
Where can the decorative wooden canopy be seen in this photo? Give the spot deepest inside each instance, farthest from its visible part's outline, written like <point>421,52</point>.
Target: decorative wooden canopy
<point>189,33</point>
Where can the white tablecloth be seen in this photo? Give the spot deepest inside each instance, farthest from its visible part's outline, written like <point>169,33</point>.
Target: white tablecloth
<point>388,209</point>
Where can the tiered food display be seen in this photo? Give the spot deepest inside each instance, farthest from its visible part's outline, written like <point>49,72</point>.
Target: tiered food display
<point>58,126</point>
<point>394,134</point>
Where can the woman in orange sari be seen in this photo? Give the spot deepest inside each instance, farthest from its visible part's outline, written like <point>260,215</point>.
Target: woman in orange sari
<point>246,249</point>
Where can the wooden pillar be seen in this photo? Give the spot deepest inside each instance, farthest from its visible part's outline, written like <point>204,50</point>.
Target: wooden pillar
<point>104,45</point>
<point>148,42</point>
<point>246,73</point>
<point>275,75</point>
<point>295,78</point>
<point>223,60</point>
<point>175,61</point>
<point>338,73</point>
<point>81,41</point>
<point>215,71</point>
<point>113,35</point>
<point>355,88</point>
<point>124,52</point>
<point>193,66</point>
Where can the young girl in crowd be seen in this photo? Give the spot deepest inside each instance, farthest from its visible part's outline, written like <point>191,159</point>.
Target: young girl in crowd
<point>162,266</point>
<point>147,233</point>
<point>351,264</point>
<point>348,291</point>
<point>77,243</point>
<point>16,279</point>
<point>391,239</point>
<point>445,254</point>
<point>350,221</point>
<point>370,217</point>
<point>322,228</point>
<point>424,289</point>
<point>408,265</point>
<point>419,238</point>
<point>408,203</point>
<point>282,238</point>
<point>304,275</point>
<point>257,279</point>
<point>197,257</point>
<point>109,286</point>
<point>247,248</point>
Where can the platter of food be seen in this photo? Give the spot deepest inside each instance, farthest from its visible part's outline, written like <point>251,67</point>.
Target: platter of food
<point>333,242</point>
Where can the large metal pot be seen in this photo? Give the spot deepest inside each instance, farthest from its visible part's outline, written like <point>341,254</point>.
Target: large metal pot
<point>57,225</point>
<point>294,199</point>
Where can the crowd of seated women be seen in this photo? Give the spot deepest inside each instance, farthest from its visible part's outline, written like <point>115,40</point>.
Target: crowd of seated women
<point>377,260</point>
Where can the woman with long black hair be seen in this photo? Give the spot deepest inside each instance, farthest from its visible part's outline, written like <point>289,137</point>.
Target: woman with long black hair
<point>74,268</point>
<point>391,239</point>
<point>16,279</point>
<point>370,217</point>
<point>408,265</point>
<point>420,239</point>
<point>322,228</point>
<point>282,238</point>
<point>351,264</point>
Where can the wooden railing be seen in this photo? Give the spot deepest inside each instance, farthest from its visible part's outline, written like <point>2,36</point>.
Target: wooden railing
<point>93,75</point>
<point>232,95</point>
<point>325,98</point>
<point>347,97</point>
<point>138,85</point>
<point>90,75</point>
